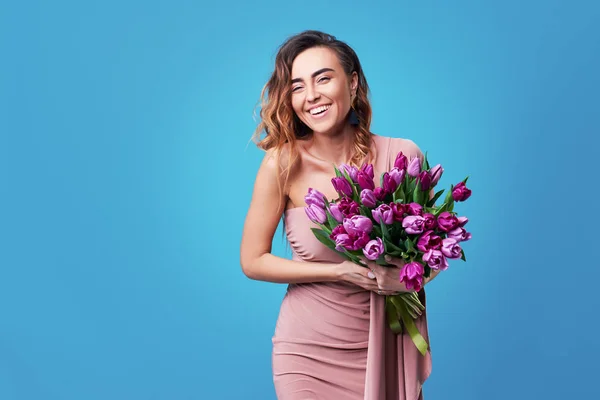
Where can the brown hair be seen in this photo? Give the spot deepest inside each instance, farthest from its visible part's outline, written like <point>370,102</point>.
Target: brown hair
<point>278,119</point>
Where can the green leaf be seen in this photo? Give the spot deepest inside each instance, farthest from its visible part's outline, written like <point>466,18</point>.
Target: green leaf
<point>384,230</point>
<point>462,255</point>
<point>409,245</point>
<point>449,198</point>
<point>357,253</point>
<point>431,202</point>
<point>338,174</point>
<point>399,193</point>
<point>425,162</point>
<point>427,269</point>
<point>331,221</point>
<point>323,237</point>
<point>377,230</point>
<point>389,246</point>
<point>440,210</point>
<point>381,261</point>
<point>415,197</point>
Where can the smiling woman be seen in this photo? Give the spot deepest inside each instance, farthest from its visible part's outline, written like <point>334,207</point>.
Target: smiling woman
<point>331,340</point>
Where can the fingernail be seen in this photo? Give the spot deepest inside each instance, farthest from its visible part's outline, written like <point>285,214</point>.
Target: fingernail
<point>371,275</point>
<point>387,258</point>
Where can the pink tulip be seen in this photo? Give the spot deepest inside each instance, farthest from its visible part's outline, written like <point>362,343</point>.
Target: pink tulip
<point>451,248</point>
<point>461,192</point>
<point>412,275</point>
<point>413,224</point>
<point>373,249</point>
<point>436,260</point>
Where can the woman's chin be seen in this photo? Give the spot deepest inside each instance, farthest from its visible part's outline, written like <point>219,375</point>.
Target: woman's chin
<point>330,129</point>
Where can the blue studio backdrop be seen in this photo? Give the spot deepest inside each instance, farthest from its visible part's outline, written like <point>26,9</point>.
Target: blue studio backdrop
<point>126,172</point>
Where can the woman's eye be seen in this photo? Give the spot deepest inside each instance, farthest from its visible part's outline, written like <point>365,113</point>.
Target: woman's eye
<point>295,89</point>
<point>324,79</point>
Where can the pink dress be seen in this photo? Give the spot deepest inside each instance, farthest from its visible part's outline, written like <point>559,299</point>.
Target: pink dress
<point>332,340</point>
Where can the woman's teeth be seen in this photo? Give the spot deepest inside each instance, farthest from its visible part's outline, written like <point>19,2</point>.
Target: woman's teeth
<point>319,110</point>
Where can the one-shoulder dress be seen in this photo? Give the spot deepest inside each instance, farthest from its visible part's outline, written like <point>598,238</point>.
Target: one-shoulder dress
<point>331,339</point>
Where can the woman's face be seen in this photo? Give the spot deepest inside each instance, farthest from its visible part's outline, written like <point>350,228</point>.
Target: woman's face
<point>321,91</point>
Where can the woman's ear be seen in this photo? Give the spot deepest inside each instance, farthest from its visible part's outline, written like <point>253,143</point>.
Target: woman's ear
<point>354,82</point>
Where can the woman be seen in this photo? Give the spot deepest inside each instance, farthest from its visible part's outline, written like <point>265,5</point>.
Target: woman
<point>332,340</point>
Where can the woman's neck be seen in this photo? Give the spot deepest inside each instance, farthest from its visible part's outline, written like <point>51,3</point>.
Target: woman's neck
<point>333,148</point>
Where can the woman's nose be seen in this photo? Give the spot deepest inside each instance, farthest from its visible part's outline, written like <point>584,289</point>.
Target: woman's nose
<point>311,93</point>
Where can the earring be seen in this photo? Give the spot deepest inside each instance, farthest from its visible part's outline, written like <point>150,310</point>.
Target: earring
<point>353,118</point>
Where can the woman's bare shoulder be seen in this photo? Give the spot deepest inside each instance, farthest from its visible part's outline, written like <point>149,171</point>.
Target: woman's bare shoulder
<point>397,144</point>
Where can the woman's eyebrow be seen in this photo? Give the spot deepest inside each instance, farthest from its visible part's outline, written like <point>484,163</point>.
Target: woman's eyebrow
<point>317,72</point>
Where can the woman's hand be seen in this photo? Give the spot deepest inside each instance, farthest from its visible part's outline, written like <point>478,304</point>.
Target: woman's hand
<point>379,279</point>
<point>349,271</point>
<point>387,277</point>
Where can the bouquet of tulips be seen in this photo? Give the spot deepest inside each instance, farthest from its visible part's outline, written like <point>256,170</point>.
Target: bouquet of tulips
<point>398,219</point>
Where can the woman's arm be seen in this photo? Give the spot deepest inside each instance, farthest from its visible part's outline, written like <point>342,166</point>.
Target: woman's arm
<point>263,216</point>
<point>261,222</point>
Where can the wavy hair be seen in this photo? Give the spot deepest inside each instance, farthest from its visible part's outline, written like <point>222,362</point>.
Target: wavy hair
<point>277,118</point>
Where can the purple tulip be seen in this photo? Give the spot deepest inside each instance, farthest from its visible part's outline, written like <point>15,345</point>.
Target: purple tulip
<point>338,230</point>
<point>383,213</point>
<point>365,181</point>
<point>343,241</point>
<point>398,175</point>
<point>374,249</point>
<point>429,241</point>
<point>461,192</point>
<point>398,209</point>
<point>414,167</point>
<point>412,275</point>
<point>348,207</point>
<point>436,260</point>
<point>401,161</point>
<point>430,221</point>
<point>413,224</point>
<point>447,221</point>
<point>424,181</point>
<point>436,173</point>
<point>414,209</point>
<point>358,224</point>
<point>380,193</point>
<point>342,186</point>
<point>316,214</point>
<point>315,197</point>
<point>462,221</point>
<point>359,241</point>
<point>335,211</point>
<point>459,234</point>
<point>389,183</point>
<point>367,198</point>
<point>451,248</point>
<point>350,170</point>
<point>367,169</point>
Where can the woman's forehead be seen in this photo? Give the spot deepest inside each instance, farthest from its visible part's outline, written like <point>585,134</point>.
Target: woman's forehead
<point>314,59</point>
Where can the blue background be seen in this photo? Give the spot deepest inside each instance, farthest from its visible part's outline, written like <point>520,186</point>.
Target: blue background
<point>126,172</point>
